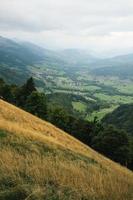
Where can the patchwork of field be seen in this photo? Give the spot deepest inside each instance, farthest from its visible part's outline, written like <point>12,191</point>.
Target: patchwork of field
<point>103,94</point>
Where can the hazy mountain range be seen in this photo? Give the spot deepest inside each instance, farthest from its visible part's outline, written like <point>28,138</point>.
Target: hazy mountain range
<point>16,57</point>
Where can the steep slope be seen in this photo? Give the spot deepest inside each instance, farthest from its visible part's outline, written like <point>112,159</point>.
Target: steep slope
<point>18,54</point>
<point>121,117</point>
<point>14,59</point>
<point>39,161</point>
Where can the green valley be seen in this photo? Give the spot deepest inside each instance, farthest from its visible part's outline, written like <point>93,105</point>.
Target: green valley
<point>69,72</point>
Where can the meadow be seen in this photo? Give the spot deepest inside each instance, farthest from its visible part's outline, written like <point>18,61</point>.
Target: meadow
<point>39,161</point>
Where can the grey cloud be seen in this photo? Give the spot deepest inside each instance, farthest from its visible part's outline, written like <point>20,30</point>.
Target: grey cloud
<point>58,23</point>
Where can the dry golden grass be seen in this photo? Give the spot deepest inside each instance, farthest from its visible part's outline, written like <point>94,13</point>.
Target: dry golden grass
<point>39,161</point>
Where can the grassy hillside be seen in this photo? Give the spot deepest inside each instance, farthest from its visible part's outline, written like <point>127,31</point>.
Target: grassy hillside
<point>39,161</point>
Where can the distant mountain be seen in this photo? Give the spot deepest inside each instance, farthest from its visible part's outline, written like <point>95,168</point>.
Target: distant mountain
<point>77,57</point>
<point>17,57</point>
<point>122,118</point>
<point>14,59</point>
<point>18,54</point>
<point>121,66</point>
<point>19,60</point>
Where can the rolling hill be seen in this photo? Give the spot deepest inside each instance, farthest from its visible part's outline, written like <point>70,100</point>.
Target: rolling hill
<point>17,54</point>
<point>121,117</point>
<point>18,58</point>
<point>121,66</point>
<point>22,59</point>
<point>14,59</point>
<point>39,161</point>
<point>77,57</point>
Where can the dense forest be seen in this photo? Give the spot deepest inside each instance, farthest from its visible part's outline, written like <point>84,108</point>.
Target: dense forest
<point>108,140</point>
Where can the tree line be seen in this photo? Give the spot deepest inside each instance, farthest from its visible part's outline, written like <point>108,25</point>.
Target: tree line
<point>111,142</point>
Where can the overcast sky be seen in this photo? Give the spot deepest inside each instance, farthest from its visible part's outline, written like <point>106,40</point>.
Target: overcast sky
<point>104,27</point>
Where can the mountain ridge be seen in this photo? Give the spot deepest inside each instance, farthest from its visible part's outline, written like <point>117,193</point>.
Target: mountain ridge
<point>23,58</point>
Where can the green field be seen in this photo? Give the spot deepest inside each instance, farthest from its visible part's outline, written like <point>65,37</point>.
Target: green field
<point>105,94</point>
<point>116,99</point>
<point>79,106</point>
<point>100,114</point>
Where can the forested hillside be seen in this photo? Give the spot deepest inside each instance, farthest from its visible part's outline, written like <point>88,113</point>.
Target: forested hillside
<point>122,118</point>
